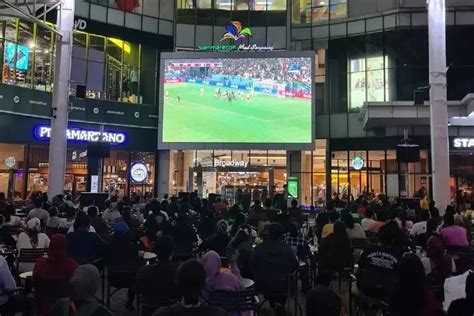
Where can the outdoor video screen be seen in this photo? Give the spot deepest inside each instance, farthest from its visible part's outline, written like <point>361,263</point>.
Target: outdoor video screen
<point>237,100</point>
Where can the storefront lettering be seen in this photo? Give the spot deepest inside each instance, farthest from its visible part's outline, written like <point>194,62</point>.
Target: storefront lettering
<point>44,132</point>
<point>80,24</point>
<point>230,163</point>
<point>463,143</point>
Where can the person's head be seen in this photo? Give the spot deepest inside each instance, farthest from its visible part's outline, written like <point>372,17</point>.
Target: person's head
<point>211,263</point>
<point>120,206</point>
<point>435,251</point>
<point>448,219</point>
<point>434,212</point>
<point>432,204</point>
<point>239,219</point>
<point>70,212</point>
<point>450,210</point>
<point>294,229</point>
<point>348,220</point>
<point>190,280</point>
<point>242,234</point>
<point>37,202</point>
<point>323,301</point>
<point>389,233</point>
<point>165,196</point>
<point>183,219</point>
<point>82,222</point>
<point>275,231</point>
<point>268,203</point>
<point>53,211</point>
<point>58,247</point>
<point>333,217</point>
<point>340,230</point>
<point>85,283</point>
<point>33,226</point>
<point>92,211</point>
<point>222,227</point>
<point>165,248</point>
<point>294,203</point>
<point>121,228</point>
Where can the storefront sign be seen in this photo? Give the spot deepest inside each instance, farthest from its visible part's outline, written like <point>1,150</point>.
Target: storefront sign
<point>463,143</point>
<point>138,172</point>
<point>44,133</point>
<point>357,162</point>
<point>80,24</point>
<point>10,162</point>
<point>231,48</point>
<point>230,163</point>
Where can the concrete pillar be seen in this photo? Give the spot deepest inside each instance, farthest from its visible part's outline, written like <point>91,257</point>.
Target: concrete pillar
<point>294,168</point>
<point>438,102</point>
<point>62,69</point>
<point>163,176</point>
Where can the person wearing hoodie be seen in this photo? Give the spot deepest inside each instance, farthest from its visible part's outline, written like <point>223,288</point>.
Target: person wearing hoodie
<point>58,267</point>
<point>216,278</point>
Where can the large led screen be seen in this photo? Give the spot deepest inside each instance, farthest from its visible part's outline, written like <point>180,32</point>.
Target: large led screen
<point>236,98</point>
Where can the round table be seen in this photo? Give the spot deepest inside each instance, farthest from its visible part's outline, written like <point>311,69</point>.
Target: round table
<point>247,283</point>
<point>149,255</point>
<point>26,275</point>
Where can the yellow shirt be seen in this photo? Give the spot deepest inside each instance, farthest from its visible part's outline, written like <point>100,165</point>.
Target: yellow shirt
<point>327,230</point>
<point>424,205</point>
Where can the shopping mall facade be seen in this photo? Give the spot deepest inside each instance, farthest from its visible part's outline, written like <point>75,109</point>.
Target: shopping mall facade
<point>370,58</point>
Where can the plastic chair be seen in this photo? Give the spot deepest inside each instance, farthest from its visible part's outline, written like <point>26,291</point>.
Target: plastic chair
<point>234,302</point>
<point>27,255</point>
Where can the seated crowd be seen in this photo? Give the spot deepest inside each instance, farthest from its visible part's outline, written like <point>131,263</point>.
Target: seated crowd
<point>173,255</point>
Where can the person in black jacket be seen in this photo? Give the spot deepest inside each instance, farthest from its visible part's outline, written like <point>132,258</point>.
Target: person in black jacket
<point>218,242</point>
<point>271,264</point>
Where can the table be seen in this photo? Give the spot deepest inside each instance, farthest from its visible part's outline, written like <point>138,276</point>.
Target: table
<point>26,275</point>
<point>247,283</point>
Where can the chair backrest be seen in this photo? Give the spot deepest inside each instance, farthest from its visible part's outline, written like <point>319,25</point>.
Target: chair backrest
<point>360,243</point>
<point>52,288</point>
<point>233,302</point>
<point>31,255</point>
<point>12,230</point>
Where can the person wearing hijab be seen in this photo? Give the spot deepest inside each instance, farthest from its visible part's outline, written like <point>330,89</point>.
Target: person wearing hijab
<point>58,266</point>
<point>218,242</point>
<point>122,260</point>
<point>84,283</point>
<point>438,266</point>
<point>33,238</point>
<point>216,279</point>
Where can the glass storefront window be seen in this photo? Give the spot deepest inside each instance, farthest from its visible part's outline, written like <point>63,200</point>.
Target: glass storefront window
<point>115,172</point>
<point>12,180</point>
<point>43,59</point>
<point>144,188</point>
<point>317,11</point>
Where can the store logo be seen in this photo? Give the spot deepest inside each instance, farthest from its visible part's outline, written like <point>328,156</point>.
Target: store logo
<point>138,172</point>
<point>10,162</point>
<point>463,143</point>
<point>80,24</point>
<point>44,133</point>
<point>236,32</point>
<point>230,163</point>
<point>357,162</point>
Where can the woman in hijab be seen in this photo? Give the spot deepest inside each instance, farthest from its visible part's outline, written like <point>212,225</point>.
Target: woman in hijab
<point>216,278</point>
<point>85,283</point>
<point>33,238</point>
<point>58,267</point>
<point>438,266</point>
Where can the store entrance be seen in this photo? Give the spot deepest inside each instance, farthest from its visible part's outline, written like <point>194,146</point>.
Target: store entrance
<point>230,183</point>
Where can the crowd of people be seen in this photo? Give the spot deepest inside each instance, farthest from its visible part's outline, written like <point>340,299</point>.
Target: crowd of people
<point>204,246</point>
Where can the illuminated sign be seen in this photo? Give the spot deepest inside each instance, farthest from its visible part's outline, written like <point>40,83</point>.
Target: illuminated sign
<point>236,32</point>
<point>82,135</point>
<point>293,187</point>
<point>138,172</point>
<point>357,162</point>
<point>230,163</point>
<point>463,143</point>
<point>10,162</point>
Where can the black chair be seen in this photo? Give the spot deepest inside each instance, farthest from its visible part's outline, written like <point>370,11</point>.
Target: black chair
<point>365,302</point>
<point>291,291</point>
<point>27,255</point>
<point>119,280</point>
<point>234,302</point>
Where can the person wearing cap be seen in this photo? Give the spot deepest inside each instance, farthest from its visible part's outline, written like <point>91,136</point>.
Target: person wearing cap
<point>122,260</point>
<point>85,283</point>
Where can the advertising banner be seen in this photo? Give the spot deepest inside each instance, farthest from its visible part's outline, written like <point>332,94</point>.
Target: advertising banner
<point>26,101</point>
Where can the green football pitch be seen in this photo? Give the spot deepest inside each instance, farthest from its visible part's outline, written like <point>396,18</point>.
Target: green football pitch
<point>201,117</point>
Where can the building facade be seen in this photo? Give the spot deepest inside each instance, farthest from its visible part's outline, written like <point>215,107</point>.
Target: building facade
<point>371,57</point>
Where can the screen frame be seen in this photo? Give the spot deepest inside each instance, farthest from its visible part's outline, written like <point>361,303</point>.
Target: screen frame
<point>235,146</point>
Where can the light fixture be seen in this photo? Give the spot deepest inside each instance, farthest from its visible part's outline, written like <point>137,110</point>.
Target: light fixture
<point>31,44</point>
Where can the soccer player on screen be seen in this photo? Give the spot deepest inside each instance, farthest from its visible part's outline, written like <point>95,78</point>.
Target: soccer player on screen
<point>167,94</point>
<point>179,97</point>
<point>201,92</point>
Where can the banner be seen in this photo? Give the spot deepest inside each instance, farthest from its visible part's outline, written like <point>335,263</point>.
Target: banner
<point>26,101</point>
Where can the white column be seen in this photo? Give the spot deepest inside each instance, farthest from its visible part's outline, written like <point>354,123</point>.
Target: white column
<point>58,142</point>
<point>438,102</point>
<point>163,175</point>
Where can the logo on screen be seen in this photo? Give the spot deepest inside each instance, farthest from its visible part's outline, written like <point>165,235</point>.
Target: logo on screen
<point>236,32</point>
